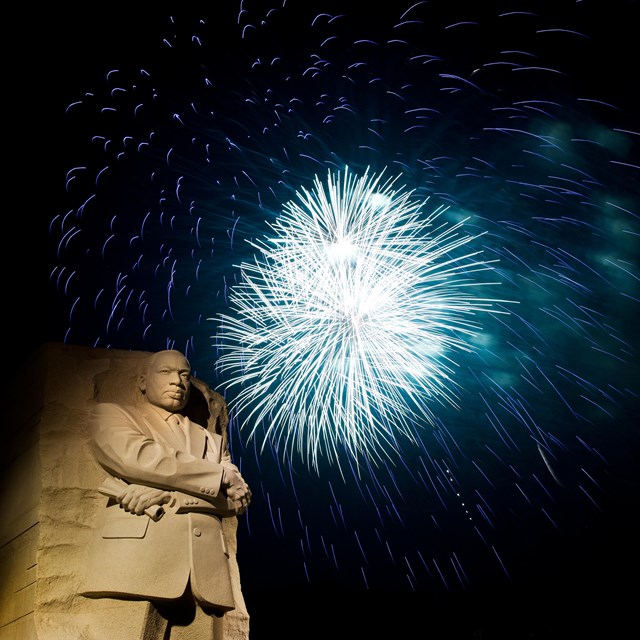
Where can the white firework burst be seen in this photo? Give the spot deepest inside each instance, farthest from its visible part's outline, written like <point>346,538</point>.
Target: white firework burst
<point>345,325</point>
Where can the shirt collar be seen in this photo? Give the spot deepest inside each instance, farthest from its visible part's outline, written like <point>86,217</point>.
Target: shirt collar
<point>163,413</point>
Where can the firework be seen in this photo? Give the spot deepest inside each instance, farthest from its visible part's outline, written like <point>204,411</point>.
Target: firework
<point>458,422</point>
<point>346,325</point>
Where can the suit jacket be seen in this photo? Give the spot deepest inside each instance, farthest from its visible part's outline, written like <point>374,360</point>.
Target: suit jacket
<point>134,556</point>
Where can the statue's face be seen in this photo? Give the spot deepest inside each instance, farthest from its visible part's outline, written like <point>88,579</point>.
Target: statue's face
<point>167,381</point>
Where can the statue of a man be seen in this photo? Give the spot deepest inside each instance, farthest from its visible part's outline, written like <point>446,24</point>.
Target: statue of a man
<point>171,482</point>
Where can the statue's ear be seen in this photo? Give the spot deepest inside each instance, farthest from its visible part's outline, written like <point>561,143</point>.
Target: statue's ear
<point>142,382</point>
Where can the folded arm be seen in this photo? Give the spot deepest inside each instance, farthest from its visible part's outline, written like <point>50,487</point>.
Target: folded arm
<point>126,451</point>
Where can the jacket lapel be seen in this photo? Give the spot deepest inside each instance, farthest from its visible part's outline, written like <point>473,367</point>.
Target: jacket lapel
<point>196,438</point>
<point>203,443</point>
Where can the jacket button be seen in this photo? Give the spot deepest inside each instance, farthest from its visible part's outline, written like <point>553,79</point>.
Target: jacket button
<point>196,532</point>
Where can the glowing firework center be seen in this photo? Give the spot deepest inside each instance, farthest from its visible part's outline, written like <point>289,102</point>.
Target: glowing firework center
<point>345,325</point>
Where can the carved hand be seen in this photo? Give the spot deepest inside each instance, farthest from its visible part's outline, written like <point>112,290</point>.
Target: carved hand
<point>137,497</point>
<point>236,489</point>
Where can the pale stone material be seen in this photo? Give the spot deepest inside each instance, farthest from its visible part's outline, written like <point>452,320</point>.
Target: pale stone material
<point>51,503</point>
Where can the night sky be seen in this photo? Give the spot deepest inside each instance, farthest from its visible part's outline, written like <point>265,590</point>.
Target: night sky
<point>152,148</point>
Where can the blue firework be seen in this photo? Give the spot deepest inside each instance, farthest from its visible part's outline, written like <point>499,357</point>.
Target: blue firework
<point>347,323</point>
<point>512,166</point>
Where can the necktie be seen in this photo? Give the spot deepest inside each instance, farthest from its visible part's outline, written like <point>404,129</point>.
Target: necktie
<point>176,425</point>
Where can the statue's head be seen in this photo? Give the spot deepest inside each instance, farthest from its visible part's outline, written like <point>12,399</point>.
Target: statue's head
<point>166,380</point>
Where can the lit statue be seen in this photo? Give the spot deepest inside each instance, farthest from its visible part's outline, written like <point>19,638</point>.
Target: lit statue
<point>170,484</point>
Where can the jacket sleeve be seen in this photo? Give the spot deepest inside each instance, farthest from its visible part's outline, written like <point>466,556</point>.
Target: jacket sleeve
<point>124,450</point>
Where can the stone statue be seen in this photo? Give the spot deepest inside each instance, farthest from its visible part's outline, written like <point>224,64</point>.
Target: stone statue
<point>169,483</point>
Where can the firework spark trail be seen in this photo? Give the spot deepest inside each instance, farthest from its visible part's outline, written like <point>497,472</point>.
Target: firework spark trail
<point>191,161</point>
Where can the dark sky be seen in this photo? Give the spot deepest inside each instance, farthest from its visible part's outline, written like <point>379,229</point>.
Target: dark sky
<point>531,129</point>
